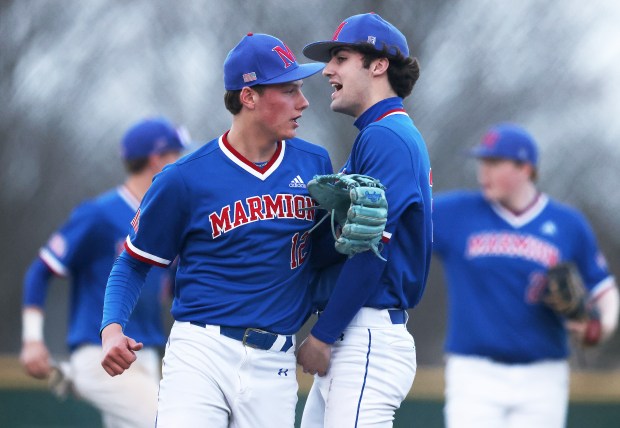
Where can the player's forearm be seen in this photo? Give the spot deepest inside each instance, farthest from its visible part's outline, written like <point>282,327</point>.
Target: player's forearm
<point>608,305</point>
<point>36,283</point>
<point>357,281</point>
<point>323,251</point>
<point>123,289</point>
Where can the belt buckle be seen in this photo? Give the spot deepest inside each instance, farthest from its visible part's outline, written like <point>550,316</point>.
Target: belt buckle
<point>246,334</point>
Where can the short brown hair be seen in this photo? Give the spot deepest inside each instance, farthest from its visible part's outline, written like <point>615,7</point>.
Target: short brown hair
<point>134,166</point>
<point>233,102</point>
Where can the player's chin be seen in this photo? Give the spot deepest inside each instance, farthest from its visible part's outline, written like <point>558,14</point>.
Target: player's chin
<point>488,193</point>
<point>289,132</point>
<point>338,107</point>
<point>492,196</point>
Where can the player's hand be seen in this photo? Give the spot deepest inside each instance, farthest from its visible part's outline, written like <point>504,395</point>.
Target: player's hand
<point>314,355</point>
<point>585,332</point>
<point>118,350</point>
<point>35,358</point>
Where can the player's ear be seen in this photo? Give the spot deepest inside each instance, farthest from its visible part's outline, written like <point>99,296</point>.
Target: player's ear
<point>153,163</point>
<point>379,66</point>
<point>248,97</point>
<point>157,162</point>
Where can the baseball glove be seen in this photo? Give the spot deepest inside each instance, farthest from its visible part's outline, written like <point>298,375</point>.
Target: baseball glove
<point>357,203</point>
<point>60,381</point>
<point>565,292</point>
<point>566,295</point>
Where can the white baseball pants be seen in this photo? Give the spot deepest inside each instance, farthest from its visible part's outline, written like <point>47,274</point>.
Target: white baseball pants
<point>482,393</point>
<point>215,381</point>
<point>125,401</point>
<point>371,372</point>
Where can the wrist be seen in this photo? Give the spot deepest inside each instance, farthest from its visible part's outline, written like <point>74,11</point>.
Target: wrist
<point>111,329</point>
<point>32,325</point>
<point>321,337</point>
<point>593,332</point>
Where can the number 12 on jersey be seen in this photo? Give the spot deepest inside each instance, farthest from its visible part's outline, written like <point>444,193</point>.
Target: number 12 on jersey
<point>298,249</point>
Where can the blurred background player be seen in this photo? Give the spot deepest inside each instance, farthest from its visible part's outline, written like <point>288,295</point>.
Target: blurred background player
<point>506,350</point>
<point>360,347</point>
<point>236,213</point>
<point>84,249</point>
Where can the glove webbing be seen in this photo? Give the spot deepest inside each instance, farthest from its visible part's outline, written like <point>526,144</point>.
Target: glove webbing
<point>350,181</point>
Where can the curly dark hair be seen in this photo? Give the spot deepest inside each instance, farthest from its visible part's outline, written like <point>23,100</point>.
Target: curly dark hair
<point>403,71</point>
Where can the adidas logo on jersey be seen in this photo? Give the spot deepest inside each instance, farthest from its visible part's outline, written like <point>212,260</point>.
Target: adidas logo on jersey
<point>297,182</point>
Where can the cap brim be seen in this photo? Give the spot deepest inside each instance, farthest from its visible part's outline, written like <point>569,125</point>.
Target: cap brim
<point>476,152</point>
<point>482,153</point>
<point>301,72</point>
<point>322,51</point>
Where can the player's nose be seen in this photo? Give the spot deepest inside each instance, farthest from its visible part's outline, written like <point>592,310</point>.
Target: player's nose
<point>303,102</point>
<point>328,70</point>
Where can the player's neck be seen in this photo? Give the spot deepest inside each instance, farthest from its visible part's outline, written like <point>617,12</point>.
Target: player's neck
<point>381,90</point>
<point>522,200</point>
<point>138,184</point>
<point>251,144</point>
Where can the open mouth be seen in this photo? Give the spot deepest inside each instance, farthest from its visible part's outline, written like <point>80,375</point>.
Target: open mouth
<point>336,86</point>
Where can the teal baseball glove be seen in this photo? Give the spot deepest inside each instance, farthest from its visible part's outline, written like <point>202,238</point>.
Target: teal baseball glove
<point>357,204</point>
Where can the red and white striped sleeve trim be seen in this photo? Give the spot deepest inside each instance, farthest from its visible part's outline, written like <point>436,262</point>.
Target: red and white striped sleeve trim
<point>602,287</point>
<point>53,263</point>
<point>385,238</point>
<point>144,256</point>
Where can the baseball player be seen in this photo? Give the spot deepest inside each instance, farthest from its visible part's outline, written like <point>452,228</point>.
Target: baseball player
<point>506,350</point>
<point>84,249</point>
<point>235,212</point>
<point>360,347</point>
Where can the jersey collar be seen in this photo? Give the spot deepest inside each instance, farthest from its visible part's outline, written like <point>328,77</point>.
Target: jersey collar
<point>128,197</point>
<point>259,172</point>
<point>380,110</point>
<point>522,218</point>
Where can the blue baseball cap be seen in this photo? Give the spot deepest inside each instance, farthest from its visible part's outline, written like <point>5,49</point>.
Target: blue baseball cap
<point>364,28</point>
<point>261,59</point>
<point>152,136</point>
<point>507,141</point>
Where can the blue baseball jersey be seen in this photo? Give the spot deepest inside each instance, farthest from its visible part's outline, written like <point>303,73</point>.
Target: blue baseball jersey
<point>241,233</point>
<point>84,249</point>
<point>389,147</point>
<point>495,263</point>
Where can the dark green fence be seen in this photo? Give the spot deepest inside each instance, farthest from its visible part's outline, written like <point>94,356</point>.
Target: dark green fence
<point>24,408</point>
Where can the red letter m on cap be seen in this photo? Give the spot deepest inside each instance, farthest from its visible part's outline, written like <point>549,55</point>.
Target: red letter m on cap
<point>285,54</point>
<point>338,30</point>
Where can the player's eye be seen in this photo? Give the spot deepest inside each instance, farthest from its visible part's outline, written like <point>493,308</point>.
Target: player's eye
<point>292,89</point>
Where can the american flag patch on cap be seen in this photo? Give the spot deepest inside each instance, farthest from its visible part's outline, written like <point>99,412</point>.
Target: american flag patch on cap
<point>249,77</point>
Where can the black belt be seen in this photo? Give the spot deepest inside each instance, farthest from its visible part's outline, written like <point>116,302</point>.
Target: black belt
<point>253,337</point>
